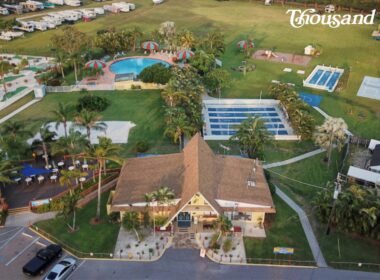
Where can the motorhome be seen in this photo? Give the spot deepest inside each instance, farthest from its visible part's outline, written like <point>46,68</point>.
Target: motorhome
<point>9,35</point>
<point>70,16</point>
<point>131,6</point>
<point>16,9</point>
<point>27,26</point>
<point>158,2</point>
<point>73,3</point>
<point>40,25</point>
<point>57,2</point>
<point>99,11</point>
<point>53,20</point>
<point>88,13</point>
<point>32,5</point>
<point>4,11</point>
<point>124,7</point>
<point>112,9</point>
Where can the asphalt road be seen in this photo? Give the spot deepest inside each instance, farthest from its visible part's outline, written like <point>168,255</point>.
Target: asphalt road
<point>186,264</point>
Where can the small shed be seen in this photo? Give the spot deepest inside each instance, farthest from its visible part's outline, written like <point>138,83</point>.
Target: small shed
<point>40,91</point>
<point>309,50</point>
<point>375,160</point>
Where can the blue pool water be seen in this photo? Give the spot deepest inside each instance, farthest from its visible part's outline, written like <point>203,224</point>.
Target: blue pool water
<point>316,77</point>
<point>334,78</point>
<point>224,121</point>
<point>134,65</point>
<point>324,78</point>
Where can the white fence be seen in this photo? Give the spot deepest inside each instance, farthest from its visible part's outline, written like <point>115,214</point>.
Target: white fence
<point>80,87</point>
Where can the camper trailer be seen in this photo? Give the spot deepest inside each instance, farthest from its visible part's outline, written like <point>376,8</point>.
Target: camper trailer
<point>112,9</point>
<point>124,7</point>
<point>52,20</point>
<point>39,25</point>
<point>32,5</point>
<point>99,11</point>
<point>158,2</point>
<point>26,26</point>
<point>70,16</point>
<point>16,9</point>
<point>131,6</point>
<point>73,3</point>
<point>88,13</point>
<point>4,11</point>
<point>57,2</point>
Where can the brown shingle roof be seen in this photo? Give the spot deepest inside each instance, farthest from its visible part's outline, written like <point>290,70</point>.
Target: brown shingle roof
<point>195,169</point>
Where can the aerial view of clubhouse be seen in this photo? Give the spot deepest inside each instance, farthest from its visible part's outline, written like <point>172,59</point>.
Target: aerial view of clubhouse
<point>190,139</point>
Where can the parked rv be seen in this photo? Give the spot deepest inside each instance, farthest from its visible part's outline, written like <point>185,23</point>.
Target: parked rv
<point>57,2</point>
<point>9,35</point>
<point>4,11</point>
<point>32,5</point>
<point>26,26</point>
<point>39,25</point>
<point>73,3</point>
<point>99,11</point>
<point>16,9</point>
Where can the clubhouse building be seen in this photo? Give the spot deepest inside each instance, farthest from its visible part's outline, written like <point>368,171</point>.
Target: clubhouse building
<point>205,185</point>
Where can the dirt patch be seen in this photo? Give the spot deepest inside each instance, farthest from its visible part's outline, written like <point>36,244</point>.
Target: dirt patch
<point>301,60</point>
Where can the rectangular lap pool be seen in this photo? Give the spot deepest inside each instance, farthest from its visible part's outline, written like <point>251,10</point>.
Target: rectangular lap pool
<point>323,78</point>
<point>222,117</point>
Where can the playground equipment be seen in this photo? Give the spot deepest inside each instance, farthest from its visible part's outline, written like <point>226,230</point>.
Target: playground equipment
<point>270,54</point>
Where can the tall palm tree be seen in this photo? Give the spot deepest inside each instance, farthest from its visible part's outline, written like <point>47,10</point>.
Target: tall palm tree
<point>173,98</point>
<point>47,137</point>
<point>187,39</point>
<point>69,208</point>
<point>135,36</point>
<point>89,120</point>
<point>331,133</point>
<point>223,225</point>
<point>60,59</point>
<point>66,179</point>
<point>163,196</point>
<point>5,171</point>
<point>177,128</point>
<point>214,43</point>
<point>102,153</point>
<point>131,222</point>
<point>62,115</point>
<point>5,67</point>
<point>251,136</point>
<point>75,143</point>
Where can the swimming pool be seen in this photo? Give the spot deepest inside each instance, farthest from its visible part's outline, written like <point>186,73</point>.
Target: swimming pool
<point>134,65</point>
<point>222,117</point>
<point>324,78</point>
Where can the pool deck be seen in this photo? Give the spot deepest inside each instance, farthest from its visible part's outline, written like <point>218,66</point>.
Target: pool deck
<point>109,78</point>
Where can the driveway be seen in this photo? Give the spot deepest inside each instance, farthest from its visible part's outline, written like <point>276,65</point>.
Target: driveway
<point>186,264</point>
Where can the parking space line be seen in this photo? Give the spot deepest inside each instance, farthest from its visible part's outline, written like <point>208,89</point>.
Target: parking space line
<point>9,239</point>
<point>71,275</point>
<point>11,230</point>
<point>26,248</point>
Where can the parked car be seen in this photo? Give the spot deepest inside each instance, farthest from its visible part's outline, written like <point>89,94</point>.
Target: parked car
<point>62,269</point>
<point>42,259</point>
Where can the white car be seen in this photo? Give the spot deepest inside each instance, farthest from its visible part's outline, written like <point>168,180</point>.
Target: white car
<point>62,269</point>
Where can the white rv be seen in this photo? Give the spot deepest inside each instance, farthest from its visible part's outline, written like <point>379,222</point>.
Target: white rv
<point>73,3</point>
<point>131,6</point>
<point>4,11</point>
<point>158,2</point>
<point>53,20</point>
<point>32,5</point>
<point>57,2</point>
<point>9,35</point>
<point>70,15</point>
<point>99,11</point>
<point>40,25</point>
<point>17,9</point>
<point>111,8</point>
<point>122,6</point>
<point>88,13</point>
<point>27,26</point>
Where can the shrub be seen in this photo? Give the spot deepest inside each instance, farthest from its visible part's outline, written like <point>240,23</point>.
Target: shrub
<point>142,146</point>
<point>92,103</point>
<point>113,217</point>
<point>157,73</point>
<point>135,86</point>
<point>214,242</point>
<point>227,245</point>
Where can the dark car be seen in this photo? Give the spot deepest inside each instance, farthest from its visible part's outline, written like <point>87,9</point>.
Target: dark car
<point>42,259</point>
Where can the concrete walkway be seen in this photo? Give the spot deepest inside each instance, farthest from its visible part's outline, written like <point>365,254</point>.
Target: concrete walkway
<point>18,110</point>
<point>26,219</point>
<point>295,159</point>
<point>313,243</point>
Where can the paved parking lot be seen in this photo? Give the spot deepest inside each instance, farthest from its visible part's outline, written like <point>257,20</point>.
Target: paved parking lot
<point>17,246</point>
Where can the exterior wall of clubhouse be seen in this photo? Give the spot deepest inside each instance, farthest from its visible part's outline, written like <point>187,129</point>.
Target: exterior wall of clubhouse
<point>205,186</point>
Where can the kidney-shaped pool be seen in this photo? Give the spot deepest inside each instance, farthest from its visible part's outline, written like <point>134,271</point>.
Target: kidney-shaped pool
<point>134,65</point>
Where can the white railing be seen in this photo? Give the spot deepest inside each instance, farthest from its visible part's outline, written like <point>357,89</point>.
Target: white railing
<point>13,99</point>
<point>80,87</point>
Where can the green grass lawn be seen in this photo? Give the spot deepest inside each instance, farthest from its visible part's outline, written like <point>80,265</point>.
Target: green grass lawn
<point>285,231</point>
<point>144,108</point>
<point>99,238</point>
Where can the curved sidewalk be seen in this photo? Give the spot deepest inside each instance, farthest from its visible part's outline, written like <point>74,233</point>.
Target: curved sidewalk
<point>294,159</point>
<point>313,243</point>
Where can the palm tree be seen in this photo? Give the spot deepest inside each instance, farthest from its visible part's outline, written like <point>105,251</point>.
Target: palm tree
<point>331,133</point>
<point>131,222</point>
<point>47,138</point>
<point>173,98</point>
<point>135,35</point>
<point>186,39</point>
<point>5,171</point>
<point>223,225</point>
<point>177,128</point>
<point>5,67</point>
<point>66,179</point>
<point>15,129</point>
<point>62,115</point>
<point>73,144</point>
<point>89,120</point>
<point>214,43</point>
<point>60,58</point>
<point>163,196</point>
<point>69,208</point>
<point>102,153</point>
<point>251,136</point>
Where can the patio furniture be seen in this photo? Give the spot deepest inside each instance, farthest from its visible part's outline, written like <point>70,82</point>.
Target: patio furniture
<point>40,179</point>
<point>53,178</point>
<point>77,162</point>
<point>85,167</point>
<point>28,181</point>
<point>55,170</point>
<point>60,164</point>
<point>82,180</point>
<point>71,167</point>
